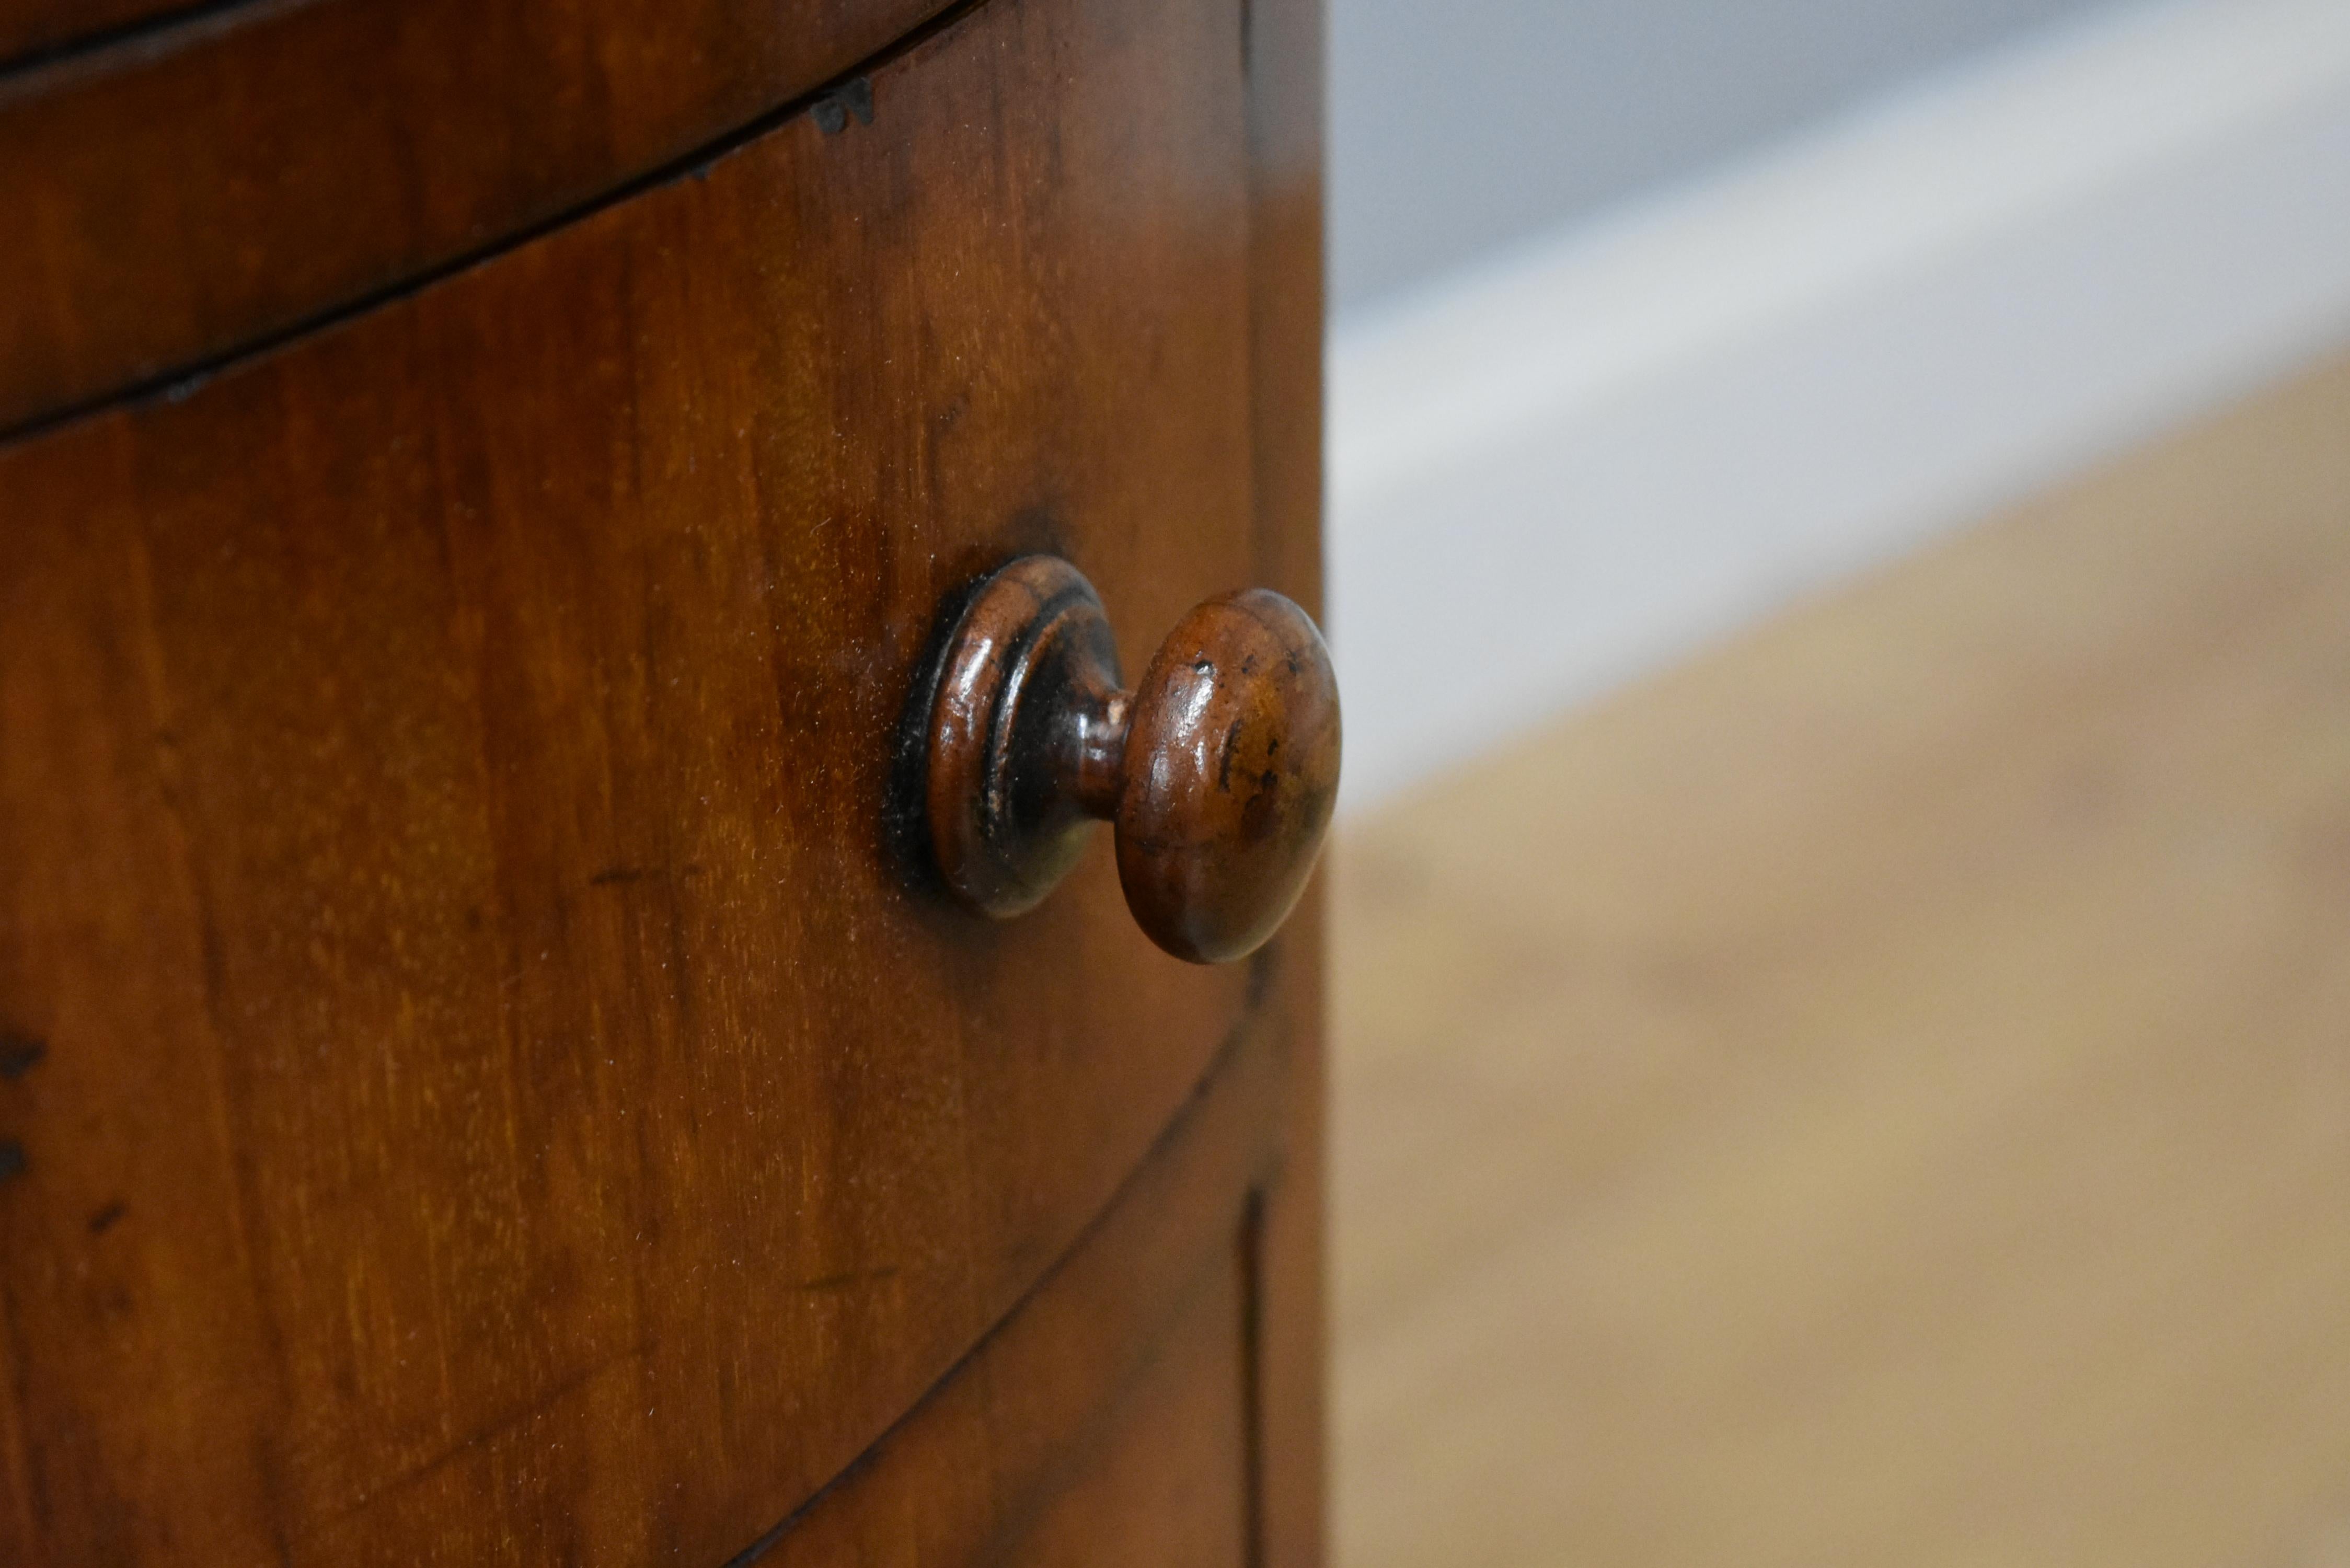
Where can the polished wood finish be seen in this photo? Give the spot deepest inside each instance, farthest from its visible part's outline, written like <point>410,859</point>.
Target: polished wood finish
<point>179,196</point>
<point>1219,768</point>
<point>1879,1093</point>
<point>1231,768</point>
<point>491,1088</point>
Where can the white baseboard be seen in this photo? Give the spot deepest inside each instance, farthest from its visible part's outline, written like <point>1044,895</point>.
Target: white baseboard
<point>1561,469</point>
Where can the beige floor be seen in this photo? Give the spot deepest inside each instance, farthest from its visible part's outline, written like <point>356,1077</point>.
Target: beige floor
<point>1880,1093</point>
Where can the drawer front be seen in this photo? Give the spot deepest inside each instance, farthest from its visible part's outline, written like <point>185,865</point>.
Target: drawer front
<point>250,168</point>
<point>1114,1418</point>
<point>471,1013</point>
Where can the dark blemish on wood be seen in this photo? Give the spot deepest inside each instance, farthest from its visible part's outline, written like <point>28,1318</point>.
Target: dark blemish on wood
<point>11,1158</point>
<point>1039,529</point>
<point>1203,667</point>
<point>19,1055</point>
<point>1224,764</point>
<point>832,110</point>
<point>853,1277</point>
<point>615,875</point>
<point>103,1220</point>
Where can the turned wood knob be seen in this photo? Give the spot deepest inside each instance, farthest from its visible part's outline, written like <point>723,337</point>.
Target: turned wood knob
<point>1219,770</point>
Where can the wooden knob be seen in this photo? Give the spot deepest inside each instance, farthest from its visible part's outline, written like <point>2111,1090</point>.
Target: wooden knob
<point>1219,770</point>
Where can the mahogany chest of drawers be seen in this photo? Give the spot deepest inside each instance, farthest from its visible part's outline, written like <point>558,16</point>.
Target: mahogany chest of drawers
<point>489,1070</point>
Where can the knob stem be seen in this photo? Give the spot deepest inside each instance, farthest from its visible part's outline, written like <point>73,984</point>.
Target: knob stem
<point>1099,720</point>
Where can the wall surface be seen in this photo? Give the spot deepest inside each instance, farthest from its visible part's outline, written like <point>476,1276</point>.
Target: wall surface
<point>1458,127</point>
<point>1577,458</point>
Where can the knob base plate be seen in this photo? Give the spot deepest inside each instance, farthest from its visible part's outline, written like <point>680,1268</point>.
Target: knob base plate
<point>1025,729</point>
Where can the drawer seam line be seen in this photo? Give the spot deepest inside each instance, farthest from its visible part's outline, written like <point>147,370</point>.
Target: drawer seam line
<point>181,381</point>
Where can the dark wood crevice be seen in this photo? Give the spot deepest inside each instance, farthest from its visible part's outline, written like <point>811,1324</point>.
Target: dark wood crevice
<point>36,37</point>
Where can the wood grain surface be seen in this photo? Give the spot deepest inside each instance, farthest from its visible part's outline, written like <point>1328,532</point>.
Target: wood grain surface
<point>1881,1093</point>
<point>482,1088</point>
<point>187,192</point>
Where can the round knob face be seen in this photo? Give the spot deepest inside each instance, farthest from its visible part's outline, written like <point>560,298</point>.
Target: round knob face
<point>1231,772</point>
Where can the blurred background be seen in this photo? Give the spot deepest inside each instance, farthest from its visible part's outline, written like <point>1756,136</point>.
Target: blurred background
<point>1839,555</point>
